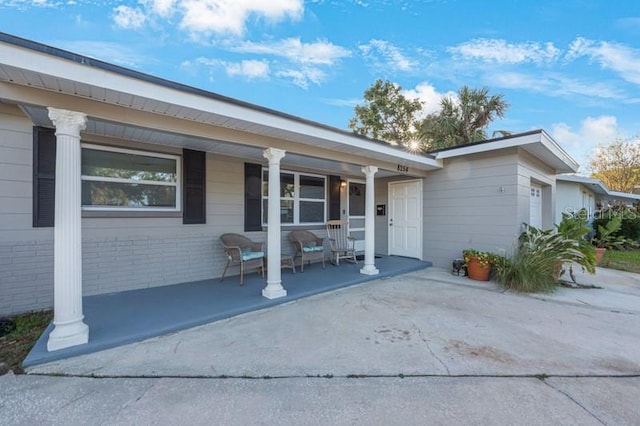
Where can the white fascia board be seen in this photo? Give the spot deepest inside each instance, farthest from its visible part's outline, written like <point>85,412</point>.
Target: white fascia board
<point>29,60</point>
<point>628,196</point>
<point>539,137</point>
<point>489,146</point>
<point>595,185</point>
<point>560,153</point>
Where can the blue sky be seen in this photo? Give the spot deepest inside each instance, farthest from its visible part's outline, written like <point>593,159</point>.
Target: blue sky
<point>569,67</point>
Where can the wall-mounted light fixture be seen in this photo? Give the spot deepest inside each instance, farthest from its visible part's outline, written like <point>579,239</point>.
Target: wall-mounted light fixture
<point>501,189</point>
<point>343,184</point>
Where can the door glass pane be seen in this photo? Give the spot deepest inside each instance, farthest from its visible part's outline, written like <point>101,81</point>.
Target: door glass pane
<point>311,212</point>
<point>95,193</point>
<point>356,199</point>
<point>311,187</point>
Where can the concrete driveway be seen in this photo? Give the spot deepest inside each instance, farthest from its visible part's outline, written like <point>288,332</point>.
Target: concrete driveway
<point>424,347</point>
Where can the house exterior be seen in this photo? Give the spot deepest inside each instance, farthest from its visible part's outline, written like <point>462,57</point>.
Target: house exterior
<point>112,180</point>
<point>580,192</point>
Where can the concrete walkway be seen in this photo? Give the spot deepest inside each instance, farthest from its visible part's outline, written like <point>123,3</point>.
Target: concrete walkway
<point>425,347</point>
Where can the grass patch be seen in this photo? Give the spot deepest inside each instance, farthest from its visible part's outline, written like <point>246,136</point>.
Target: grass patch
<point>622,260</point>
<point>15,346</point>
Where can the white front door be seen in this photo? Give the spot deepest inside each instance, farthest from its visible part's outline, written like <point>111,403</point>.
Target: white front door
<point>405,218</point>
<point>535,206</point>
<point>356,202</point>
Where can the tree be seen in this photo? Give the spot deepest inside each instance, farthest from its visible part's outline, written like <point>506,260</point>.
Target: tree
<point>387,114</point>
<point>618,164</point>
<point>462,120</point>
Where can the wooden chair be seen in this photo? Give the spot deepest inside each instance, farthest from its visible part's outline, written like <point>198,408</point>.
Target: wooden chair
<point>343,246</point>
<point>308,247</point>
<point>242,251</point>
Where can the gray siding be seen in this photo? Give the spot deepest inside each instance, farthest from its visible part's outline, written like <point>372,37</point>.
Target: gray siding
<point>119,253</point>
<point>26,253</point>
<point>464,206</point>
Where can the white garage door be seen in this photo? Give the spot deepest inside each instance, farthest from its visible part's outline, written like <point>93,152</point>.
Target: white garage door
<point>535,206</point>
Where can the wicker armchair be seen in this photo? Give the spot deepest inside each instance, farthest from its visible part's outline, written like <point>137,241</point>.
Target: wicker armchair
<point>308,247</point>
<point>242,251</point>
<point>343,246</point>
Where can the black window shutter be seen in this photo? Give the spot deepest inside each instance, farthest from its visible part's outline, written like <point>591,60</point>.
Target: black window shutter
<point>194,193</point>
<point>252,197</point>
<point>44,176</point>
<point>334,197</point>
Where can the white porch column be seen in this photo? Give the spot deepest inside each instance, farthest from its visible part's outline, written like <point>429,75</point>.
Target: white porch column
<point>369,267</point>
<point>69,328</point>
<point>274,287</point>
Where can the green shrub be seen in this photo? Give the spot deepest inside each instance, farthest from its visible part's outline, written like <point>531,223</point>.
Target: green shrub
<point>629,226</point>
<point>537,263</point>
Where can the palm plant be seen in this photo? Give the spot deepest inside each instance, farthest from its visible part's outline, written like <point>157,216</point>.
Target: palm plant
<point>462,120</point>
<point>535,266</point>
<point>576,227</point>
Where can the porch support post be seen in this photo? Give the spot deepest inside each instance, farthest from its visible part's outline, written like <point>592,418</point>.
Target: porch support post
<point>69,327</point>
<point>369,267</point>
<point>274,287</point>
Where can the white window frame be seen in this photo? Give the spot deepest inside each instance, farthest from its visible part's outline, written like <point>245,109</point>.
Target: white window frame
<point>177,184</point>
<point>296,198</point>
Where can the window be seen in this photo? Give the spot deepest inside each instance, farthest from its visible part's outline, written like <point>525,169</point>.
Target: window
<point>123,179</point>
<point>302,198</point>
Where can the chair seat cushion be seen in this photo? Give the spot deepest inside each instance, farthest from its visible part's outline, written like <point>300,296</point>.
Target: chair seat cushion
<point>310,249</point>
<point>250,255</point>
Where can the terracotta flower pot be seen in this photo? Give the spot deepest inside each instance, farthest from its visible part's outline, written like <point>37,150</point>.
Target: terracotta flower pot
<point>599,254</point>
<point>476,271</point>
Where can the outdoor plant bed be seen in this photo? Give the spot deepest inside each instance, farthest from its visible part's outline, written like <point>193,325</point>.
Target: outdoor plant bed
<point>15,345</point>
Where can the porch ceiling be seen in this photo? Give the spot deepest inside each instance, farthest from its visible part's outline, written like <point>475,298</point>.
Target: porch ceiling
<point>119,131</point>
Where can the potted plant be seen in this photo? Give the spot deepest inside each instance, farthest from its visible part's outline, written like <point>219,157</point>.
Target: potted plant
<point>605,237</point>
<point>478,264</point>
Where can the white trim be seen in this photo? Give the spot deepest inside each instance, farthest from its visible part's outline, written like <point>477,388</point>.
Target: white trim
<point>177,184</point>
<point>540,137</point>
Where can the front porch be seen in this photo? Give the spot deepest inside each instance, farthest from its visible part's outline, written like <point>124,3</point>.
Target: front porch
<point>117,319</point>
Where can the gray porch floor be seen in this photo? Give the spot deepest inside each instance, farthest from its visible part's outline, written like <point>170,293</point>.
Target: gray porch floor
<point>117,319</point>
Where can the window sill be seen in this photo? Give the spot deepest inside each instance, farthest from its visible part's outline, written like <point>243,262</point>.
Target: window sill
<point>128,214</point>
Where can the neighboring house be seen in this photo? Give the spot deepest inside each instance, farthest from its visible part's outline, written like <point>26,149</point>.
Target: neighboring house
<point>580,192</point>
<point>113,180</point>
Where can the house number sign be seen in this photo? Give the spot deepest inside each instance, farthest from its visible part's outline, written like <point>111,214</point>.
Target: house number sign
<point>404,169</point>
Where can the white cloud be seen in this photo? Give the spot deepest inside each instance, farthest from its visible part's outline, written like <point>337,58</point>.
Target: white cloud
<point>304,76</point>
<point>430,97</point>
<point>162,8</point>
<point>386,55</point>
<point>205,17</point>
<point>318,52</point>
<point>622,59</point>
<point>228,17</point>
<point>248,68</point>
<point>499,51</point>
<point>129,18</point>
<point>593,131</point>
<point>251,69</point>
<point>553,84</point>
<point>106,51</point>
<point>25,4</point>
<point>342,102</point>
